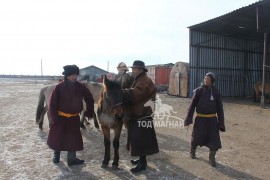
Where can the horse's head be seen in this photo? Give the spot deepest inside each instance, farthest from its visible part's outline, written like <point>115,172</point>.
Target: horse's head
<point>112,98</point>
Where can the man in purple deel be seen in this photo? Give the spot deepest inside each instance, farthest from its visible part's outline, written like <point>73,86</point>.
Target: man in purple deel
<point>209,118</point>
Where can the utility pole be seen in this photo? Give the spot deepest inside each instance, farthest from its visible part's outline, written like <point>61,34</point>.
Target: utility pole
<point>41,70</point>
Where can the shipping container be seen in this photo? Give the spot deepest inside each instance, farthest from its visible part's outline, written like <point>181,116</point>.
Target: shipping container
<point>160,75</point>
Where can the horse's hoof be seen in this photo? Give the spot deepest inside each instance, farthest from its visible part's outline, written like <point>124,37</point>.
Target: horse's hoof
<point>114,167</point>
<point>40,126</point>
<point>104,165</point>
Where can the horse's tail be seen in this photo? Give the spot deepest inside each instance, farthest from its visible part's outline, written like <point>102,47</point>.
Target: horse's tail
<point>41,102</point>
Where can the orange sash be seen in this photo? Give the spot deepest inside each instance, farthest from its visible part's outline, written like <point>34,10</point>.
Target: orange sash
<point>60,113</point>
<point>206,115</point>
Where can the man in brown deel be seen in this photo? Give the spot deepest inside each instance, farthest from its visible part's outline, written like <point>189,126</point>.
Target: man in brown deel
<point>142,139</point>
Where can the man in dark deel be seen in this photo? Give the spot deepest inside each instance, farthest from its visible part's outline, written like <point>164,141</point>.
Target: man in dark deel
<point>65,106</point>
<point>209,119</point>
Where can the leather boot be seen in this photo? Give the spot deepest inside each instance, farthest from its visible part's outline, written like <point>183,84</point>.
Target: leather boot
<point>192,153</point>
<point>56,157</point>
<point>72,159</point>
<point>212,159</point>
<point>136,161</point>
<point>140,166</point>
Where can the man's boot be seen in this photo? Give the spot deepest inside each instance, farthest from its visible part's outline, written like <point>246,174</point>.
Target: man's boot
<point>136,161</point>
<point>140,166</point>
<point>56,156</point>
<point>212,159</point>
<point>192,152</point>
<point>72,159</point>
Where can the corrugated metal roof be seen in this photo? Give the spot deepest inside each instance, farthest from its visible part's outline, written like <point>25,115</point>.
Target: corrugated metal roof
<point>238,23</point>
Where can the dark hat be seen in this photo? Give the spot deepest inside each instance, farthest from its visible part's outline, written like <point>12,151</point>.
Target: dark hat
<point>212,76</point>
<point>71,69</point>
<point>139,64</point>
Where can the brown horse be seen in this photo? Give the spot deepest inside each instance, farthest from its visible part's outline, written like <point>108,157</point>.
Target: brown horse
<point>110,115</point>
<point>44,97</point>
<point>258,90</point>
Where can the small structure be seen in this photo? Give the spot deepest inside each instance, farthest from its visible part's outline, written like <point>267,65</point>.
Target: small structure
<point>91,73</point>
<point>160,74</point>
<point>178,85</point>
<point>234,46</point>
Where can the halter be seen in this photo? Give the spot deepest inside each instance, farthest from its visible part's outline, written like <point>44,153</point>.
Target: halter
<point>110,107</point>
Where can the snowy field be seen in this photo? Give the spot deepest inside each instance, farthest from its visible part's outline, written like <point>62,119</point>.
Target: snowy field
<point>24,153</point>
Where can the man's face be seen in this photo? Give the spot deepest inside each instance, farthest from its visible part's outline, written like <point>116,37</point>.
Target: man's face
<point>136,71</point>
<point>73,77</point>
<point>207,81</point>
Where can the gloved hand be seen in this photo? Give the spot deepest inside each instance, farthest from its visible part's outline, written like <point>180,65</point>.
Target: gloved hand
<point>126,97</point>
<point>187,122</point>
<point>221,127</point>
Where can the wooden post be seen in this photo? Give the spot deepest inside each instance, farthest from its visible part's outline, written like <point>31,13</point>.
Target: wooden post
<point>264,67</point>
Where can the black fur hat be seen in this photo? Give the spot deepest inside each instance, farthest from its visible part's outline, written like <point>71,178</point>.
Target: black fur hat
<point>71,69</point>
<point>212,76</point>
<point>139,64</point>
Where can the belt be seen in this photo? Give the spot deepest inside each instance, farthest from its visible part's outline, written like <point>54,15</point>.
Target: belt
<point>206,115</point>
<point>60,113</point>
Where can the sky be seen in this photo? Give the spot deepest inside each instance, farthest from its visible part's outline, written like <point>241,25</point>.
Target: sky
<point>41,36</point>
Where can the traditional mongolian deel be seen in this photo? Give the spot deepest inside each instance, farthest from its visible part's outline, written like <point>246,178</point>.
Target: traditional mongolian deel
<point>65,134</point>
<point>206,106</point>
<point>141,140</point>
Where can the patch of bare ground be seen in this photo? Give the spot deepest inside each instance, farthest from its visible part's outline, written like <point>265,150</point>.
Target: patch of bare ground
<point>24,153</point>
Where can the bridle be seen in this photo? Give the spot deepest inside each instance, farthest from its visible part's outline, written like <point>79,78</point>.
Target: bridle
<point>109,106</point>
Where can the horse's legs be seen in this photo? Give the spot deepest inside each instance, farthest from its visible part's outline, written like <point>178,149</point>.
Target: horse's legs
<point>107,144</point>
<point>82,120</point>
<point>49,117</point>
<point>95,120</point>
<point>117,133</point>
<point>41,118</point>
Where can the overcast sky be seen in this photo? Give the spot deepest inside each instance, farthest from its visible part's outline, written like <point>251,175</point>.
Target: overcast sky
<point>99,32</point>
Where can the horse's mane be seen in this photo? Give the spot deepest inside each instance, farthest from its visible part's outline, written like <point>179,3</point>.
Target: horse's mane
<point>112,84</point>
<point>106,85</point>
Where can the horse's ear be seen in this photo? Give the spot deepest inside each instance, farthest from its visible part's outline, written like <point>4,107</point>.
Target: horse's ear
<point>105,79</point>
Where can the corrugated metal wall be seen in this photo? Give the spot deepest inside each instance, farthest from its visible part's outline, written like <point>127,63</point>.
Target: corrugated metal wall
<point>237,63</point>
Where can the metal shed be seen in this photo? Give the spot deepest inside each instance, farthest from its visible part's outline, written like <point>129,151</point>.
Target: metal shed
<point>231,46</point>
<point>91,73</point>
<point>179,75</point>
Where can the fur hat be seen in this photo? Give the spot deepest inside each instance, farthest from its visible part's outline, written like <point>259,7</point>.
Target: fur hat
<point>71,69</point>
<point>212,76</point>
<point>139,64</point>
<point>122,66</point>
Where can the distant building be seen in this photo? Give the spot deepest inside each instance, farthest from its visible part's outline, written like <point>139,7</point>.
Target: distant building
<point>92,73</point>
